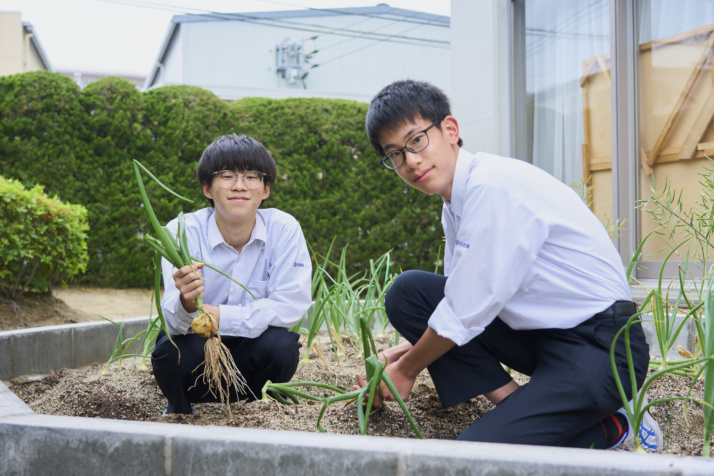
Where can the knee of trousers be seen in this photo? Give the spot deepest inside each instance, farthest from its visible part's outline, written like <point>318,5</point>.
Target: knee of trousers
<point>164,349</point>
<point>396,294</point>
<point>279,346</point>
<point>413,295</point>
<point>165,357</point>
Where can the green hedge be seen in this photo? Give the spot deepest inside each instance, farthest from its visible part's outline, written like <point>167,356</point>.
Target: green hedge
<point>79,145</point>
<point>43,240</point>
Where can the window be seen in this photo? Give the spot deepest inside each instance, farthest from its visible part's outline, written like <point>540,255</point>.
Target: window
<point>565,53</point>
<point>675,104</point>
<point>616,92</point>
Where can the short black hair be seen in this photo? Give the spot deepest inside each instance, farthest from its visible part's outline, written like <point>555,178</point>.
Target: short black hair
<point>405,101</point>
<point>235,152</point>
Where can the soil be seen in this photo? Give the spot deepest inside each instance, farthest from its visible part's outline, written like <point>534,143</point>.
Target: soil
<point>129,393</point>
<point>71,305</point>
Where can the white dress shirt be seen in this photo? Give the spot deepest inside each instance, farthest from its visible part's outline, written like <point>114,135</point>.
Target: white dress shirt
<point>274,265</point>
<point>522,246</point>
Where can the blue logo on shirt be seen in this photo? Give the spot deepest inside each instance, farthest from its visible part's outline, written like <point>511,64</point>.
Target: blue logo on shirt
<point>461,243</point>
<point>298,265</point>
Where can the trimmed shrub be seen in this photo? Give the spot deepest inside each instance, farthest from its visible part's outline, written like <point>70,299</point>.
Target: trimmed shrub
<point>43,240</point>
<point>40,125</point>
<point>114,134</point>
<point>80,146</point>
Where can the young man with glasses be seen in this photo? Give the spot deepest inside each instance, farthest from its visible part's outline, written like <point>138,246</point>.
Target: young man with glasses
<point>263,249</point>
<point>531,282</point>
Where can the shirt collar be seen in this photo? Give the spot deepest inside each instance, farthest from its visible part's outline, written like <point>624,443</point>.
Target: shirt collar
<point>215,237</point>
<point>458,186</point>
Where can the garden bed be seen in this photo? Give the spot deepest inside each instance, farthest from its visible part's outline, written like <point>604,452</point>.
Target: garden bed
<point>127,393</point>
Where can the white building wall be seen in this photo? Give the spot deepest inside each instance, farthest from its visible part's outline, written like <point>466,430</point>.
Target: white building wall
<point>237,59</point>
<point>480,64</point>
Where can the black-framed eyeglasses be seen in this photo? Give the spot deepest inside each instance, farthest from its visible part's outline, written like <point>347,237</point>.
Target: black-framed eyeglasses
<point>415,144</point>
<point>227,178</point>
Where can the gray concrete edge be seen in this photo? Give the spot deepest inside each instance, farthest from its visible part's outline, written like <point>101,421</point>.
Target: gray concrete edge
<point>30,442</point>
<point>113,446</point>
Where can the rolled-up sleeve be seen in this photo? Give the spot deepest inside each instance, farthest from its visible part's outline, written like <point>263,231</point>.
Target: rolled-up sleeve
<point>489,263</point>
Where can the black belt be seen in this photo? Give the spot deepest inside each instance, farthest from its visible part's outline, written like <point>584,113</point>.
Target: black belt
<point>621,308</point>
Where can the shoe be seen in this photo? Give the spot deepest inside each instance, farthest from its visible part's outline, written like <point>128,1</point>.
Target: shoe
<point>651,438</point>
<point>170,410</point>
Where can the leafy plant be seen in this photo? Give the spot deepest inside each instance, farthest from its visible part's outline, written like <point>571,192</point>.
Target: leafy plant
<point>43,240</point>
<point>708,371</point>
<point>316,315</point>
<point>145,338</point>
<point>374,371</point>
<point>688,298</point>
<point>637,406</point>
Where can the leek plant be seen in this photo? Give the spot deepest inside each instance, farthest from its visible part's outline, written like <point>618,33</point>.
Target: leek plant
<point>341,299</point>
<point>689,234</point>
<point>122,346</point>
<point>287,393</point>
<point>359,296</point>
<point>708,350</point>
<point>373,302</point>
<point>219,366</point>
<point>639,405</point>
<point>669,320</point>
<point>317,314</point>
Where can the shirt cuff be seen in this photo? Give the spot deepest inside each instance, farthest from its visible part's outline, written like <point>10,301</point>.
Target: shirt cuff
<point>232,319</point>
<point>183,318</point>
<point>446,324</point>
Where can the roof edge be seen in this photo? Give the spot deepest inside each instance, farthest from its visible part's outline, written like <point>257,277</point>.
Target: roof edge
<point>380,9</point>
<point>35,41</point>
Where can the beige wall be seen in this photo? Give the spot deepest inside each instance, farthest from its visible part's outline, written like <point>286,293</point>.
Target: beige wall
<point>17,55</point>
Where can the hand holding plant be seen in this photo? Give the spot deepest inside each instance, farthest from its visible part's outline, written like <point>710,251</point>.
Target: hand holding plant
<point>402,382</point>
<point>374,370</point>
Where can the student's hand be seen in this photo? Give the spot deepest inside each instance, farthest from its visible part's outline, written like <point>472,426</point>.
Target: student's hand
<point>392,354</point>
<point>402,382</point>
<point>215,310</point>
<point>189,283</point>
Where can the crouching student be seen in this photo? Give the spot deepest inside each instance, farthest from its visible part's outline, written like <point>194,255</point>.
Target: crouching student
<point>263,249</point>
<point>531,281</point>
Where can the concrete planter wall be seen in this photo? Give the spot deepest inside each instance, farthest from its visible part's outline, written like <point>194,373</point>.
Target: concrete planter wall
<point>42,444</point>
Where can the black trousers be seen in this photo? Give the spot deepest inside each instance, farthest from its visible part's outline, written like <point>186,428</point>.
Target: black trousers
<point>571,387</point>
<point>271,356</point>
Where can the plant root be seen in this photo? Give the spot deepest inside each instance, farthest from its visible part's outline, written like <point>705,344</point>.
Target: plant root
<point>220,372</point>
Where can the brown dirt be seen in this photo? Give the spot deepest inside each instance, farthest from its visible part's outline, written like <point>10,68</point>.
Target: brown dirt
<point>71,305</point>
<point>129,393</point>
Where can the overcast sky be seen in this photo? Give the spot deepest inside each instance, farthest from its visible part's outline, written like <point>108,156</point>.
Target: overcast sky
<point>124,36</point>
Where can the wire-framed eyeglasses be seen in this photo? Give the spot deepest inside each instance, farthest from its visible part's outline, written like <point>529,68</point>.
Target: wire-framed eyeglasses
<point>415,144</point>
<point>227,178</point>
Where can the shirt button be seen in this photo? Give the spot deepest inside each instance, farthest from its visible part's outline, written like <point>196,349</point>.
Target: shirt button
<point>233,290</point>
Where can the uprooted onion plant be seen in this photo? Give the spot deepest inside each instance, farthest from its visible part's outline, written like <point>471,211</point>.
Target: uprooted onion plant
<point>220,372</point>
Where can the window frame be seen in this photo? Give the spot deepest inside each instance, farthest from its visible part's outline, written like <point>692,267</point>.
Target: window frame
<point>624,124</point>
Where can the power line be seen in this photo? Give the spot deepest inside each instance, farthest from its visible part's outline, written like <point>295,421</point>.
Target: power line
<point>292,25</point>
<point>376,29</point>
<point>351,13</point>
<point>322,63</point>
